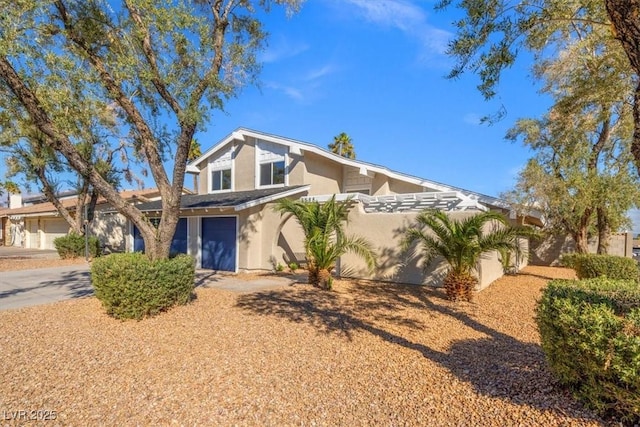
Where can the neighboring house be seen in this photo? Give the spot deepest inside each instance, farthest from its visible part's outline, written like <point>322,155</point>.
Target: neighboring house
<point>230,224</point>
<point>34,223</point>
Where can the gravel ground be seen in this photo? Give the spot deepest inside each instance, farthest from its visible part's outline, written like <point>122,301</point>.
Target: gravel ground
<point>14,263</point>
<point>365,354</point>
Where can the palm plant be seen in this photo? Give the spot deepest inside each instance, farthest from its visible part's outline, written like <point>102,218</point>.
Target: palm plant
<point>462,243</point>
<point>324,237</point>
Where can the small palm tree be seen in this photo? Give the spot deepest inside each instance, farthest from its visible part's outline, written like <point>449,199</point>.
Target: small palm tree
<point>324,237</point>
<point>462,243</point>
<point>342,145</point>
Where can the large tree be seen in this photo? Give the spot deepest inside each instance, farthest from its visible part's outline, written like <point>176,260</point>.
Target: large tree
<point>492,32</point>
<point>161,66</point>
<point>582,174</point>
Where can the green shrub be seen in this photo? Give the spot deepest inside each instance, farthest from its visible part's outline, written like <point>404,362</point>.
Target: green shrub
<point>293,266</point>
<point>590,333</point>
<point>131,286</point>
<point>73,245</point>
<point>589,266</point>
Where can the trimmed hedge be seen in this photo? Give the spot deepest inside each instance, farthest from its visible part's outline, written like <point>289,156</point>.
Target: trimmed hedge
<point>589,266</point>
<point>590,334</point>
<point>131,286</point>
<point>73,246</point>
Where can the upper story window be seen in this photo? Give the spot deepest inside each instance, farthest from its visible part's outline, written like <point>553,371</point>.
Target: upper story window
<point>271,164</point>
<point>272,173</point>
<point>221,172</point>
<point>221,180</point>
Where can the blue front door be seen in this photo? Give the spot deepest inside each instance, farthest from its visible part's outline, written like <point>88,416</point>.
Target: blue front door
<point>178,244</point>
<point>219,243</point>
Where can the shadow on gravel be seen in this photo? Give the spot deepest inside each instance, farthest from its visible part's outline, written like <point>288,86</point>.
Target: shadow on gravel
<point>498,366</point>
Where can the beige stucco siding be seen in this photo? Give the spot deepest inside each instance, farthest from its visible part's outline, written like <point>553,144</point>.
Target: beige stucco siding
<point>322,174</point>
<point>401,187</point>
<point>244,166</point>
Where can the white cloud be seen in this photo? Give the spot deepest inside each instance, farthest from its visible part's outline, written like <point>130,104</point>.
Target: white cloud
<point>290,91</point>
<point>320,72</point>
<point>407,17</point>
<point>471,118</point>
<point>282,48</point>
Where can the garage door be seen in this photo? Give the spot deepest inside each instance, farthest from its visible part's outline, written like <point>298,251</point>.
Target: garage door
<point>178,244</point>
<point>219,243</point>
<point>54,228</point>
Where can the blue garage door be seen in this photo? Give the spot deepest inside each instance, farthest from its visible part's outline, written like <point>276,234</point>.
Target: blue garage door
<point>219,243</point>
<point>178,245</point>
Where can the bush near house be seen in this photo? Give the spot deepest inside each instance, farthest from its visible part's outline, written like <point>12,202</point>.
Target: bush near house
<point>73,246</point>
<point>589,266</point>
<point>131,286</point>
<point>590,333</point>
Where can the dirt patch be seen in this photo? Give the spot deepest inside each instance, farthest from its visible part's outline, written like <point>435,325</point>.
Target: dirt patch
<point>366,354</point>
<point>14,263</point>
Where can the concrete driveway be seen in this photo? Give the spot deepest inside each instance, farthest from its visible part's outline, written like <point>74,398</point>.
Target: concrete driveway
<point>43,285</point>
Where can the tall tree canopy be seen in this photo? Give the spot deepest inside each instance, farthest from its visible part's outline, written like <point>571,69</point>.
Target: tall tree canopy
<point>162,66</point>
<point>581,174</point>
<point>342,145</point>
<point>493,31</point>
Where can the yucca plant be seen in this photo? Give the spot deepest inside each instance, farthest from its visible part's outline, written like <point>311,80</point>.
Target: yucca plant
<point>325,240</point>
<point>462,243</point>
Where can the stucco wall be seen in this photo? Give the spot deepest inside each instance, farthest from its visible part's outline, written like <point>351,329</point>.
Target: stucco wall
<point>548,251</point>
<point>322,174</point>
<point>282,238</point>
<point>244,166</point>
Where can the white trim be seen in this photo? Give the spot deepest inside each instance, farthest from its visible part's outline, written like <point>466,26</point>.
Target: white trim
<point>242,134</point>
<point>271,198</point>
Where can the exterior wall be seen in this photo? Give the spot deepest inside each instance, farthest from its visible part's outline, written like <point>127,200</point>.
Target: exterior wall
<point>282,239</point>
<point>322,174</point>
<point>549,250</point>
<point>244,166</point>
<point>401,187</point>
<point>111,230</point>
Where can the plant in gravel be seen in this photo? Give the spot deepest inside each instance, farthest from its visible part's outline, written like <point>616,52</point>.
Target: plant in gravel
<point>590,334</point>
<point>131,286</point>
<point>279,267</point>
<point>588,266</point>
<point>293,266</point>
<point>73,246</point>
<point>461,243</point>
<point>324,237</point>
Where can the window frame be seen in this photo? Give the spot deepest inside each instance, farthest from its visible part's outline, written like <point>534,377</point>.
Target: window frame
<point>221,170</point>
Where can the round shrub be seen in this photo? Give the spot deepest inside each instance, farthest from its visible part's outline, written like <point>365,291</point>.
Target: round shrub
<point>590,334</point>
<point>589,266</point>
<point>131,286</point>
<point>73,246</point>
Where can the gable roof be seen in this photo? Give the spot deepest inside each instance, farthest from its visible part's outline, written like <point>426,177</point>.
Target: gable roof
<point>297,147</point>
<point>237,200</point>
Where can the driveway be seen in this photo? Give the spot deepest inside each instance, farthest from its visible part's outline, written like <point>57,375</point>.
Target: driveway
<point>25,288</point>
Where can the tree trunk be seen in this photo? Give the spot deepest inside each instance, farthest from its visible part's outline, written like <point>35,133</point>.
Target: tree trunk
<point>581,240</point>
<point>324,279</point>
<point>625,17</point>
<point>604,232</point>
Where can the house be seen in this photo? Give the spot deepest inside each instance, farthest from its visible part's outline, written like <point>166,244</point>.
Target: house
<point>230,224</point>
<point>31,222</point>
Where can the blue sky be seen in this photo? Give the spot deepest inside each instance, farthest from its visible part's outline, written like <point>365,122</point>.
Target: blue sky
<point>376,69</point>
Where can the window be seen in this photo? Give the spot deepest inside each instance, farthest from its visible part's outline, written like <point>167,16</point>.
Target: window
<point>221,180</point>
<point>272,173</point>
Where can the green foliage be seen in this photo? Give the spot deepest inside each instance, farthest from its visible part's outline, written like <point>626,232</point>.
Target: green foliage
<point>279,267</point>
<point>325,239</point>
<point>293,266</point>
<point>590,333</point>
<point>343,146</point>
<point>462,243</point>
<point>588,266</point>
<point>131,286</point>
<point>138,78</point>
<point>73,246</point>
